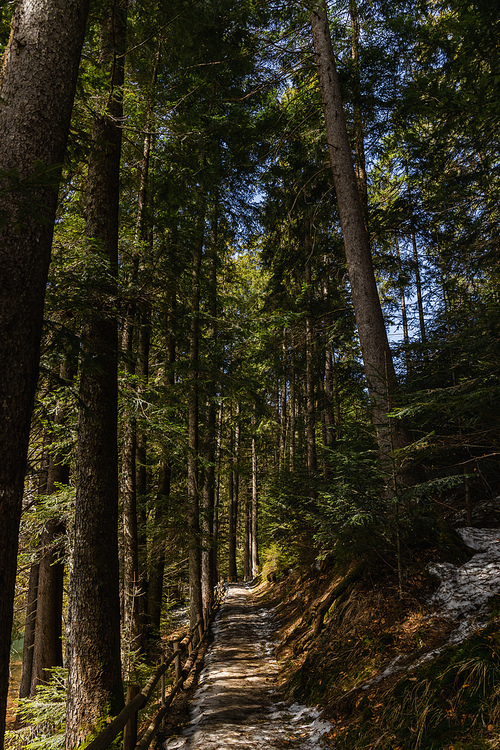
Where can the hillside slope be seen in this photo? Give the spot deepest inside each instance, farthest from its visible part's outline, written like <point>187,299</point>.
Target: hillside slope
<point>411,669</point>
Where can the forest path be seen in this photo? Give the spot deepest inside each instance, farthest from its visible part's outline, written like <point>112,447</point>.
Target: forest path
<point>237,703</point>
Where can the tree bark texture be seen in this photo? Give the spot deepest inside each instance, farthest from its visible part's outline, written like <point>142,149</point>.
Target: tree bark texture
<point>232,517</point>
<point>377,358</point>
<point>37,86</point>
<point>29,632</point>
<point>193,510</point>
<point>94,679</point>
<point>47,647</point>
<point>309,344</point>
<point>359,139</point>
<point>128,491</point>
<point>255,503</point>
<point>157,557</point>
<point>210,444</point>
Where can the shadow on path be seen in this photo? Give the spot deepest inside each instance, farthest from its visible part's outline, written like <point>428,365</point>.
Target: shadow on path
<point>237,703</point>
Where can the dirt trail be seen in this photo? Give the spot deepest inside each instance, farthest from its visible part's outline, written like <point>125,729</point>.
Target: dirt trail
<point>237,703</point>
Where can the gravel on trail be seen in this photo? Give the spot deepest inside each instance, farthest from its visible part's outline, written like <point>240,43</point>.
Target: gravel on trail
<point>237,703</point>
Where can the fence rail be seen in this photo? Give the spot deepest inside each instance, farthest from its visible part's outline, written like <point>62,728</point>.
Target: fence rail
<point>127,718</point>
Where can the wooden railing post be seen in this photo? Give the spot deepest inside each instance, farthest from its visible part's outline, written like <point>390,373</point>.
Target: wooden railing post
<point>162,682</point>
<point>130,731</point>
<point>177,661</point>
<point>200,629</point>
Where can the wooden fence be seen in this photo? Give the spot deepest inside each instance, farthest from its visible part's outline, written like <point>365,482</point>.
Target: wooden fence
<point>127,719</point>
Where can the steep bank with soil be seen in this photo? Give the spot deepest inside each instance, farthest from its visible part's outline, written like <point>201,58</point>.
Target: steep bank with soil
<point>391,670</point>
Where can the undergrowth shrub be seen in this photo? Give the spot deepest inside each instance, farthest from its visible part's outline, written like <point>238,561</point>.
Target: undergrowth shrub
<point>43,717</point>
<point>454,701</point>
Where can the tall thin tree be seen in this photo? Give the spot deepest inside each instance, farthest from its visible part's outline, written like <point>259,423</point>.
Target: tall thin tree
<point>94,668</point>
<point>37,87</point>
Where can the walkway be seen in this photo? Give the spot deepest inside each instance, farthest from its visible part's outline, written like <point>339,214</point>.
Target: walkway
<point>236,704</point>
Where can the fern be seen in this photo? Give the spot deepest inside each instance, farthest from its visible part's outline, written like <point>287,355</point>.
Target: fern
<point>43,717</point>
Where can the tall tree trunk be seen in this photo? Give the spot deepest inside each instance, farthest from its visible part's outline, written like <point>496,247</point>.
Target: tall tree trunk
<point>255,501</point>
<point>29,634</point>
<point>377,358</point>
<point>309,339</point>
<point>47,648</point>
<point>193,511</point>
<point>208,548</point>
<point>134,443</point>
<point>283,400</point>
<point>418,281</point>
<point>406,337</point>
<point>158,546</point>
<point>157,556</point>
<point>94,678</point>
<point>128,491</point>
<point>232,516</point>
<point>247,558</point>
<point>292,407</point>
<point>37,86</point>
<point>32,597</point>
<point>359,139</point>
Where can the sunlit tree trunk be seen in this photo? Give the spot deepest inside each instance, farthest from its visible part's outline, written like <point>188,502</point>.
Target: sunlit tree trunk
<point>377,358</point>
<point>37,86</point>
<point>247,552</point>
<point>232,515</point>
<point>255,502</point>
<point>94,668</point>
<point>128,491</point>
<point>359,137</point>
<point>406,336</point>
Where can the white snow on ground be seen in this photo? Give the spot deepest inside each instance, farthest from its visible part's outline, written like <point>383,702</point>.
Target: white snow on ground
<point>462,596</point>
<point>236,704</point>
<point>465,590</point>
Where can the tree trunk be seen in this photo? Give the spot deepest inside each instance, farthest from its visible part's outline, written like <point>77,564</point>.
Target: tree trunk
<point>359,139</point>
<point>377,358</point>
<point>47,649</point>
<point>157,561</point>
<point>255,503</point>
<point>94,679</point>
<point>292,408</point>
<point>309,339</point>
<point>29,633</point>
<point>193,511</point>
<point>418,282</point>
<point>128,491</point>
<point>232,571</point>
<point>37,87</point>
<point>208,548</point>
<point>158,547</point>
<point>406,336</point>
<point>283,401</point>
<point>247,559</point>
